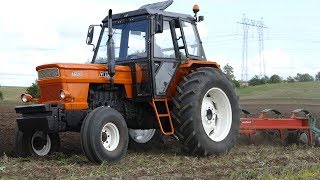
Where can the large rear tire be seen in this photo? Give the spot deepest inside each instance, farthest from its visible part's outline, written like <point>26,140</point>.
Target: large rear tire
<point>206,113</point>
<point>36,143</point>
<point>104,135</point>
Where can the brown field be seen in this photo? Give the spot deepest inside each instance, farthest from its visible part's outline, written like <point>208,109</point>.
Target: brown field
<point>267,158</point>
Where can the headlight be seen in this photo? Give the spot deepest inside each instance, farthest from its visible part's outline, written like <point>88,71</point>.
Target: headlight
<point>26,98</point>
<point>64,94</point>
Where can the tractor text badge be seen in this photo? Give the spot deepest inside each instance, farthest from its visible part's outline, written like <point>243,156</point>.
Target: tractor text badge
<point>77,73</point>
<point>104,74</point>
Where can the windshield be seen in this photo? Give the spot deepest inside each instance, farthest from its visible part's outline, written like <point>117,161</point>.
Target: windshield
<point>129,42</point>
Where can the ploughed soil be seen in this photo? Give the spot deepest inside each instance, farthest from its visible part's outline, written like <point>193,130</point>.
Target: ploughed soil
<point>70,142</point>
<point>193,167</point>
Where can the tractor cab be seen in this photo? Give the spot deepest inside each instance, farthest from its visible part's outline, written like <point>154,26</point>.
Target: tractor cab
<point>152,42</point>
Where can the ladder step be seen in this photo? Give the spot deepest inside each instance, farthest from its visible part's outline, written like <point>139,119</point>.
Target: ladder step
<point>159,116</point>
<point>164,115</point>
<point>160,100</point>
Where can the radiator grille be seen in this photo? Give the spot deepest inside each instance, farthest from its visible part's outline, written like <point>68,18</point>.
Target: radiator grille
<point>48,73</point>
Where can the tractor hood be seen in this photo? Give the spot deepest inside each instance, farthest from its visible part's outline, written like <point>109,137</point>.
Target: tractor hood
<point>74,80</point>
<point>90,73</point>
<point>71,66</point>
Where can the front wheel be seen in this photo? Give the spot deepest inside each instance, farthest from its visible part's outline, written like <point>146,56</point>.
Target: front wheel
<point>206,112</point>
<point>36,143</point>
<point>104,135</point>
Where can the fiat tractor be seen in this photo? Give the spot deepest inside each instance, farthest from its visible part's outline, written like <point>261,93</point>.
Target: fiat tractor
<point>148,78</point>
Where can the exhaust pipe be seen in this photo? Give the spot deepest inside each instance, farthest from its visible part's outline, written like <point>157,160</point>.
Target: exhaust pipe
<point>110,48</point>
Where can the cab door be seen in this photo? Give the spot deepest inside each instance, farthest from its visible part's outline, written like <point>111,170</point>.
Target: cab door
<point>165,59</point>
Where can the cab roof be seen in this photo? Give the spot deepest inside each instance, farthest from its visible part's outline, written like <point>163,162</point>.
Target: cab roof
<point>151,9</point>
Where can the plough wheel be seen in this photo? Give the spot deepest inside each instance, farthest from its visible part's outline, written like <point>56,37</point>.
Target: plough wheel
<point>317,140</point>
<point>298,138</point>
<point>292,138</point>
<point>303,139</point>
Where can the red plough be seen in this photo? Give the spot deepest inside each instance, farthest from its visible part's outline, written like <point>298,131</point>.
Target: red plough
<point>302,125</point>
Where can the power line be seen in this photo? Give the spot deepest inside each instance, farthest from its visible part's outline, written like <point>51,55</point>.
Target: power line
<point>246,23</point>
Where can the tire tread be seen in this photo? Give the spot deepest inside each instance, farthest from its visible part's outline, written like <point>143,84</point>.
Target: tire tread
<point>182,109</point>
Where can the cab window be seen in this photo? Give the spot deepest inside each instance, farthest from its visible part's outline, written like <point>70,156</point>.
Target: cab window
<point>163,44</point>
<point>192,39</point>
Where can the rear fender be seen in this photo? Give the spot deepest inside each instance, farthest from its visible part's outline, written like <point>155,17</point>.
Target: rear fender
<point>184,69</point>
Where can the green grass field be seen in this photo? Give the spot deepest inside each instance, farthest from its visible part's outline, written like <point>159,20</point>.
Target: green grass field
<point>11,94</point>
<point>282,93</point>
<point>297,90</point>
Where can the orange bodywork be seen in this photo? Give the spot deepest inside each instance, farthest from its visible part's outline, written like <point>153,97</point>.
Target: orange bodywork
<point>75,79</point>
<point>184,69</point>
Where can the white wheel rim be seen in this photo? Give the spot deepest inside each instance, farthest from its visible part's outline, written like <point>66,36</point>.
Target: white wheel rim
<point>216,114</point>
<point>141,135</point>
<point>38,145</point>
<point>110,136</point>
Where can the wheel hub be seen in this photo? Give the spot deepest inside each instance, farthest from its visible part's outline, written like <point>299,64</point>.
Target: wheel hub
<point>110,136</point>
<point>104,136</point>
<point>210,111</point>
<point>209,115</point>
<point>141,135</point>
<point>40,144</point>
<point>216,114</point>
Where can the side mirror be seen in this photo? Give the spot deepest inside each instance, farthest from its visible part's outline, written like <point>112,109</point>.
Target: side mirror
<point>90,35</point>
<point>158,19</point>
<point>201,18</point>
<point>176,23</point>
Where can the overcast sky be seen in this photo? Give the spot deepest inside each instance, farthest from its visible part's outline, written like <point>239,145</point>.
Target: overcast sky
<point>36,32</point>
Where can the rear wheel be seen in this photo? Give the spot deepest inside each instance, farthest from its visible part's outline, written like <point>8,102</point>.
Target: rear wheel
<point>37,143</point>
<point>206,112</point>
<point>104,135</point>
<point>143,139</point>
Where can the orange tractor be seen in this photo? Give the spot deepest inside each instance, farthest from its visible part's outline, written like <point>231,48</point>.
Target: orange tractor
<point>148,77</point>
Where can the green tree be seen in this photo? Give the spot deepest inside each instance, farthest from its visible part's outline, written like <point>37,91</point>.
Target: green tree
<point>317,76</point>
<point>228,70</point>
<point>290,79</point>
<point>256,80</point>
<point>34,90</point>
<point>304,77</point>
<point>275,79</point>
<point>265,80</point>
<point>236,83</point>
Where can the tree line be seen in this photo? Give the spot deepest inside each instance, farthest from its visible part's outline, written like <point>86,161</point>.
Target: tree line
<point>258,80</point>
